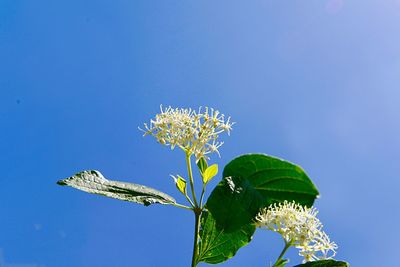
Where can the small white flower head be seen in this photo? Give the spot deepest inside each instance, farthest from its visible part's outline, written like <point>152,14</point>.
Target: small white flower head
<point>195,132</point>
<point>300,228</point>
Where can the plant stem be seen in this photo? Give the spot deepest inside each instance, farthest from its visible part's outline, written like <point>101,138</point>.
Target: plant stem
<point>287,245</point>
<point>202,195</point>
<point>190,201</point>
<point>197,215</point>
<point>182,206</point>
<point>196,209</point>
<point>189,167</point>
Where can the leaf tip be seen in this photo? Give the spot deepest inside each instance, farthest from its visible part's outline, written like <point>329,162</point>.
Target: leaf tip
<point>61,182</point>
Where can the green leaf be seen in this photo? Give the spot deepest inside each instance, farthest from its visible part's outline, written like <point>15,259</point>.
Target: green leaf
<point>202,165</point>
<point>275,179</point>
<point>209,173</point>
<point>234,202</point>
<point>94,182</point>
<point>180,184</point>
<point>252,182</point>
<point>216,245</point>
<point>281,263</point>
<point>324,263</point>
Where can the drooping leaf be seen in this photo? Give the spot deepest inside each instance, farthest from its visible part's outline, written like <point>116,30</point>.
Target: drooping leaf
<point>324,263</point>
<point>209,173</point>
<point>202,164</point>
<point>216,245</point>
<point>275,179</point>
<point>94,182</point>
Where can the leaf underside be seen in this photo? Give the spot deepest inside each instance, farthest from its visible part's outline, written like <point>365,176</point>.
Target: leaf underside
<point>324,263</point>
<point>94,182</point>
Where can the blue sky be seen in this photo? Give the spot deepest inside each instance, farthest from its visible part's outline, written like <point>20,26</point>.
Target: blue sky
<point>314,82</point>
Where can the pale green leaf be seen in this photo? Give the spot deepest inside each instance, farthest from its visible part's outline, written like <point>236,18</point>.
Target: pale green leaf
<point>95,183</point>
<point>181,184</point>
<point>202,164</point>
<point>209,173</point>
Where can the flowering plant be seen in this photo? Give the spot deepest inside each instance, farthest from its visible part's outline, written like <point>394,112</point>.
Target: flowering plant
<point>299,227</point>
<point>256,190</point>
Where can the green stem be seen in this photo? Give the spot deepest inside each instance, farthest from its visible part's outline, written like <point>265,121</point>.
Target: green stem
<point>189,167</point>
<point>287,245</point>
<point>202,195</point>
<point>190,201</point>
<point>197,212</point>
<point>197,215</point>
<point>182,206</point>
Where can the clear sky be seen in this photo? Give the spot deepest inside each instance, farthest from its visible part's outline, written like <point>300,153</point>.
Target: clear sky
<point>312,81</point>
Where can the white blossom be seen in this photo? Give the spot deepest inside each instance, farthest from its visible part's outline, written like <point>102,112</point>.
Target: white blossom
<point>195,132</point>
<point>299,227</point>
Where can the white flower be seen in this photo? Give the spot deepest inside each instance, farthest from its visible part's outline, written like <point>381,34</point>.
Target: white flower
<point>194,132</point>
<point>300,228</point>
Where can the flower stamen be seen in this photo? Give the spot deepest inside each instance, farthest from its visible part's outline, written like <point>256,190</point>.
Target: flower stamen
<point>195,132</point>
<point>299,227</point>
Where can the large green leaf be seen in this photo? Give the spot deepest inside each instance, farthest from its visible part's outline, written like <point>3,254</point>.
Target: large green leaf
<point>216,245</point>
<point>324,263</point>
<point>94,182</point>
<point>255,181</point>
<point>275,179</point>
<point>234,202</point>
<point>250,183</point>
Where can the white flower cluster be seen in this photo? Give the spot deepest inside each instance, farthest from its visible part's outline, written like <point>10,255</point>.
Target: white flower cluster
<point>194,132</point>
<point>300,228</point>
